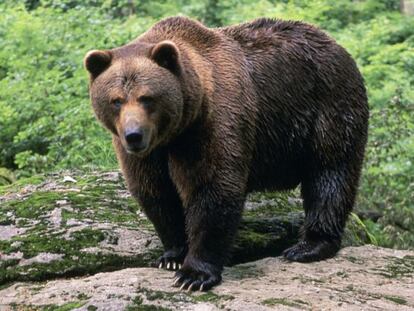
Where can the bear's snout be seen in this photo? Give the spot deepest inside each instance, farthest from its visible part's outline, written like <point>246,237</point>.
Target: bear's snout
<point>135,139</point>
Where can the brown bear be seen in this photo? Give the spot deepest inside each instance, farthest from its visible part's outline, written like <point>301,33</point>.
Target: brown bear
<point>201,117</point>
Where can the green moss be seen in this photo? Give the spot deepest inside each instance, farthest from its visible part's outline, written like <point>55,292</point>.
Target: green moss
<point>73,262</point>
<point>251,239</point>
<point>138,305</point>
<point>286,207</point>
<point>14,187</point>
<point>102,203</point>
<point>211,297</point>
<point>301,301</point>
<point>6,220</point>
<point>399,267</point>
<point>92,308</point>
<point>36,289</point>
<point>283,301</point>
<point>84,264</point>
<point>6,247</point>
<point>97,199</point>
<point>270,204</point>
<point>82,296</point>
<point>152,295</point>
<point>86,180</point>
<point>396,299</point>
<point>244,271</point>
<point>35,205</point>
<point>36,243</point>
<point>66,306</point>
<point>356,233</point>
<point>157,295</point>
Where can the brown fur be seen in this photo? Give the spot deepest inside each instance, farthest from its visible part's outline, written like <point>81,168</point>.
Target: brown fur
<point>266,105</point>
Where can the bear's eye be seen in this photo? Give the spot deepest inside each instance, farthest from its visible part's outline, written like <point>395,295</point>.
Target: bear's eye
<point>117,103</point>
<point>146,101</point>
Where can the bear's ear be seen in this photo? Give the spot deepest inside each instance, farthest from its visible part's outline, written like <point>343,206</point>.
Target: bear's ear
<point>97,61</point>
<point>167,55</point>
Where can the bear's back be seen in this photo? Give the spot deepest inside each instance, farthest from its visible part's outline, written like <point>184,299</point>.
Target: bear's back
<point>267,31</point>
<point>181,29</point>
<point>286,47</point>
<point>300,59</point>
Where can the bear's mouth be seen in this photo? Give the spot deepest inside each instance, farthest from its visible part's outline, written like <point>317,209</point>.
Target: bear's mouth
<point>137,150</point>
<point>140,150</point>
<point>138,146</point>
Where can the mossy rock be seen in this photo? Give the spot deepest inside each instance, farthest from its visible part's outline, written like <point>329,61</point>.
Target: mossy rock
<point>72,223</point>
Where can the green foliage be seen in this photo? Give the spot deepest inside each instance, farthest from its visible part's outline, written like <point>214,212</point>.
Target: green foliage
<point>386,58</point>
<point>6,176</point>
<point>46,121</point>
<point>44,106</point>
<point>388,184</point>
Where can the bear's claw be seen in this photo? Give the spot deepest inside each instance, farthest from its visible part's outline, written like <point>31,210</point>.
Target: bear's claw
<point>201,276</point>
<point>308,251</point>
<point>192,285</point>
<point>168,265</point>
<point>172,259</point>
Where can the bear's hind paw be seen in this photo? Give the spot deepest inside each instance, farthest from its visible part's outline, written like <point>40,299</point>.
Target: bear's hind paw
<point>308,251</point>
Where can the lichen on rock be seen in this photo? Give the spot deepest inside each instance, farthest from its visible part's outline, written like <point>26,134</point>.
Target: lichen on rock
<point>71,224</point>
<point>353,280</point>
<point>89,223</point>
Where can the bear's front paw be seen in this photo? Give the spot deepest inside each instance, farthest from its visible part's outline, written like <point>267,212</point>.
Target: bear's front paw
<point>196,274</point>
<point>172,259</point>
<point>308,251</point>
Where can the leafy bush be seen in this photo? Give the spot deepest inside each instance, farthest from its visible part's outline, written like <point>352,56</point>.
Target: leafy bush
<point>388,184</point>
<point>44,105</point>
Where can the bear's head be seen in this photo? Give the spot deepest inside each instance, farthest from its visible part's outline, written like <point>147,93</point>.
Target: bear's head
<point>137,93</point>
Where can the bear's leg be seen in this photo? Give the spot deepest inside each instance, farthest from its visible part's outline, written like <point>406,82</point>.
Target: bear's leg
<point>212,220</point>
<point>149,182</point>
<point>328,198</point>
<point>165,212</point>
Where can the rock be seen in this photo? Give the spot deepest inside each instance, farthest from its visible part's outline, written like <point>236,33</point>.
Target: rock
<point>69,179</point>
<point>10,231</point>
<point>93,225</point>
<point>358,278</point>
<point>41,258</point>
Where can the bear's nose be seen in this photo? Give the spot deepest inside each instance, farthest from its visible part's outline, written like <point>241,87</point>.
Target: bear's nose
<point>134,137</point>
